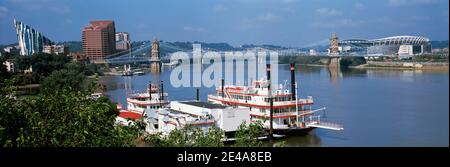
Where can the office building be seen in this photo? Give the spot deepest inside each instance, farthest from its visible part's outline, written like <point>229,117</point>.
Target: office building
<point>29,40</point>
<point>99,39</point>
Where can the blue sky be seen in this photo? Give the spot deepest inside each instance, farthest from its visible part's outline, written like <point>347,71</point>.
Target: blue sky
<point>281,22</point>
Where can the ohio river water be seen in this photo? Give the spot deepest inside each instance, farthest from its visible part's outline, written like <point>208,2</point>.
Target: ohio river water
<point>377,107</point>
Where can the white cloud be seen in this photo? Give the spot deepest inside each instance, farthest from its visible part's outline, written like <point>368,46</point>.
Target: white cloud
<point>288,1</point>
<point>219,8</point>
<point>360,6</point>
<point>258,22</point>
<point>345,22</point>
<point>247,24</point>
<point>194,29</point>
<point>3,9</point>
<point>419,18</point>
<point>399,3</point>
<point>383,19</point>
<point>269,17</point>
<point>328,12</point>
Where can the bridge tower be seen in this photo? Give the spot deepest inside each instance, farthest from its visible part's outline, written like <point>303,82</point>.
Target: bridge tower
<point>334,51</point>
<point>155,62</point>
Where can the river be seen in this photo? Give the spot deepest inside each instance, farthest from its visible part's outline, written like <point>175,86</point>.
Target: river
<point>377,107</point>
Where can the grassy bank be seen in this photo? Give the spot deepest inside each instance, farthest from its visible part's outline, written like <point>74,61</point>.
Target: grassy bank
<point>320,60</point>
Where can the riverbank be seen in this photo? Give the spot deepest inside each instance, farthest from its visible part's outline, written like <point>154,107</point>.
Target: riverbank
<point>421,62</point>
<point>404,65</point>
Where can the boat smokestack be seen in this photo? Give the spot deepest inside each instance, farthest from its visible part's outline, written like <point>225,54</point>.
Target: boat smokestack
<point>198,94</point>
<point>293,91</point>
<point>270,101</point>
<point>150,90</point>
<point>162,91</point>
<point>223,84</point>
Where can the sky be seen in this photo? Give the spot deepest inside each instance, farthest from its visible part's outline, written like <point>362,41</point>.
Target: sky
<point>292,23</point>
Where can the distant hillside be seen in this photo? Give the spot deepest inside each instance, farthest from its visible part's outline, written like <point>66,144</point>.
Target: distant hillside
<point>221,46</point>
<point>322,48</point>
<point>439,44</point>
<point>4,46</point>
<point>209,46</point>
<point>271,47</point>
<point>318,48</point>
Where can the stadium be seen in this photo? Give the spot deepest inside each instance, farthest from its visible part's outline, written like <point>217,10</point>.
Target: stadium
<point>401,46</point>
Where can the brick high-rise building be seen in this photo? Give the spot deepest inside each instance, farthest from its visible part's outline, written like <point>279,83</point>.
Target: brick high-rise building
<point>99,39</point>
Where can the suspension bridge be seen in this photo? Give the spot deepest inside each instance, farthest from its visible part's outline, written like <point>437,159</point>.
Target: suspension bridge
<point>141,53</point>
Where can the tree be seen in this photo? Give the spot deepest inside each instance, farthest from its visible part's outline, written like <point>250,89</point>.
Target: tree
<point>246,135</point>
<point>187,137</point>
<point>22,62</point>
<point>63,79</point>
<point>63,119</point>
<point>4,74</point>
<point>44,63</point>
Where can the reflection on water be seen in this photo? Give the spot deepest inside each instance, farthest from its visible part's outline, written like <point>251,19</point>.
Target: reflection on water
<point>377,107</point>
<point>335,73</point>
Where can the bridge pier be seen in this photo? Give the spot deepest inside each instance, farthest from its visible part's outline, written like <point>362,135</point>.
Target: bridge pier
<point>155,66</point>
<point>334,61</point>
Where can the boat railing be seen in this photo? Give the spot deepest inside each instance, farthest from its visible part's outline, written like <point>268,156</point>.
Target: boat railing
<point>144,94</point>
<point>285,113</point>
<point>148,102</point>
<point>314,118</point>
<point>304,112</point>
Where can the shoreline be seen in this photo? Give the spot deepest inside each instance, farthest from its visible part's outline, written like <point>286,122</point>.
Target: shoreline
<point>443,67</point>
<point>403,66</point>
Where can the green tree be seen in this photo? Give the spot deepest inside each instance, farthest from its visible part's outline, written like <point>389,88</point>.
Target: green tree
<point>4,74</point>
<point>63,79</point>
<point>188,137</point>
<point>63,119</point>
<point>44,63</point>
<point>22,62</point>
